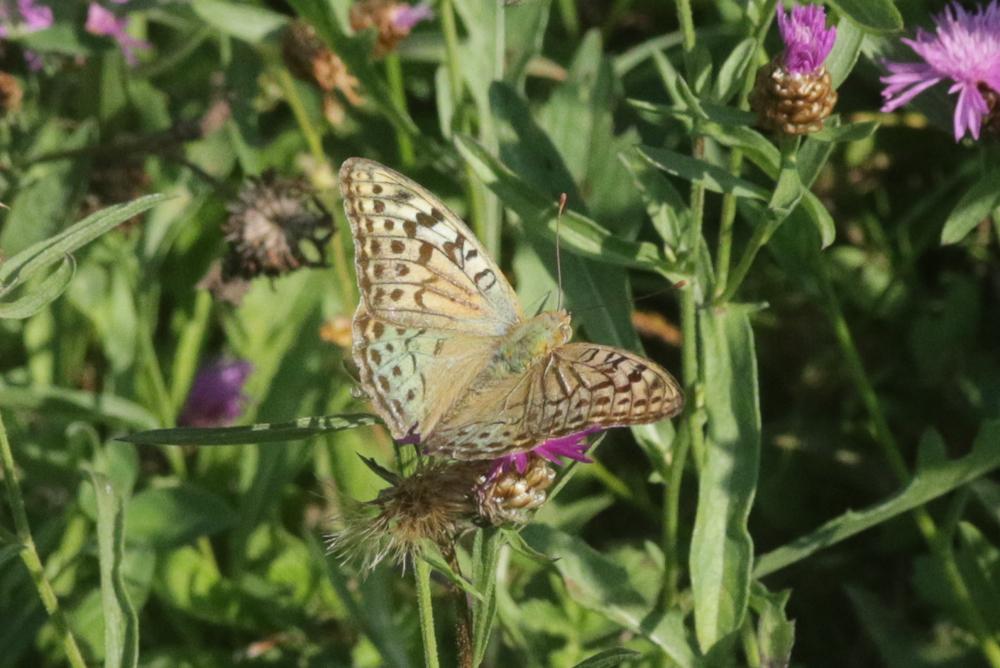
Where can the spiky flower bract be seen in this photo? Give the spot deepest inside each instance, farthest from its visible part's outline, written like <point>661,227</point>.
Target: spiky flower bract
<point>436,504</point>
<point>963,49</point>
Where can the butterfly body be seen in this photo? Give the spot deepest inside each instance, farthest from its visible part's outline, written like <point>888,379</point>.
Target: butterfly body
<point>443,347</point>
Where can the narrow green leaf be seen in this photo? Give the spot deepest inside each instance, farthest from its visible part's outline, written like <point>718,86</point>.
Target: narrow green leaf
<point>934,478</point>
<point>974,207</point>
<point>576,232</point>
<point>486,554</point>
<point>664,204</point>
<point>733,69</point>
<point>609,658</point>
<point>41,295</point>
<point>52,250</point>
<point>714,178</point>
<point>721,555</point>
<point>602,585</point>
<point>247,22</point>
<point>53,401</point>
<point>257,433</point>
<point>121,624</point>
<point>849,132</point>
<point>872,15</point>
<point>845,52</point>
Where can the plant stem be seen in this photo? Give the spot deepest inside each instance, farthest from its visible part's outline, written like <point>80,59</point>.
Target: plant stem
<point>939,543</point>
<point>422,573</point>
<point>29,555</point>
<point>463,615</point>
<point>686,20</point>
<point>477,202</point>
<point>394,74</point>
<point>312,137</point>
<point>672,503</point>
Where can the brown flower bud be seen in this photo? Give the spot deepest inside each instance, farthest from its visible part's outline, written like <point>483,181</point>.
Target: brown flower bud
<point>310,60</point>
<point>792,103</point>
<point>509,497</point>
<point>10,93</point>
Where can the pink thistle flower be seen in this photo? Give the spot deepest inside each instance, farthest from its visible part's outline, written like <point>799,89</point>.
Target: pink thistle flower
<point>404,17</point>
<point>216,397</point>
<point>102,22</point>
<point>964,49</point>
<point>807,39</point>
<point>571,446</point>
<point>33,17</point>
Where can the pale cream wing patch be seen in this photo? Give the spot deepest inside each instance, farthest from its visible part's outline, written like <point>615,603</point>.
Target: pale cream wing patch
<point>577,386</point>
<point>412,376</point>
<point>417,263</point>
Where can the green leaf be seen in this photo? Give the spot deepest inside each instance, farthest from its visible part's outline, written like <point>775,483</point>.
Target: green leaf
<point>602,585</point>
<point>721,555</point>
<point>664,204</point>
<point>714,178</point>
<point>485,556</point>
<point>60,401</point>
<point>609,658</point>
<point>43,294</point>
<point>845,51</point>
<point>974,207</point>
<point>849,132</point>
<point>576,232</point>
<point>256,433</point>
<point>775,632</point>
<point>733,69</point>
<point>934,477</point>
<point>121,624</point>
<point>247,22</point>
<point>872,15</point>
<point>49,251</point>
<point>169,516</point>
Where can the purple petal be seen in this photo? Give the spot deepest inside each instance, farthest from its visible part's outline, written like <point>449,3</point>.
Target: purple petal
<point>216,397</point>
<point>35,17</point>
<point>807,39</point>
<point>970,110</point>
<point>405,17</point>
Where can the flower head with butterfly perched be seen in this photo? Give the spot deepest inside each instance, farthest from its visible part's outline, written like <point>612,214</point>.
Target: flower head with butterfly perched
<point>445,352</point>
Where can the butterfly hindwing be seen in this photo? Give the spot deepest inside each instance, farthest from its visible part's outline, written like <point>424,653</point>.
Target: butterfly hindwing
<point>418,264</point>
<point>576,386</point>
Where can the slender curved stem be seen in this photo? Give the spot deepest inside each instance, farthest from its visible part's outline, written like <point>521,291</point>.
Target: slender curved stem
<point>29,555</point>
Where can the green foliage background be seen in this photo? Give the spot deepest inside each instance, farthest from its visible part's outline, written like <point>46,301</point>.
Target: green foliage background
<point>836,462</point>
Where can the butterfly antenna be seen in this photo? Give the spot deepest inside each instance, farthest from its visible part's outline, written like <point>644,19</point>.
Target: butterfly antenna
<point>562,207</point>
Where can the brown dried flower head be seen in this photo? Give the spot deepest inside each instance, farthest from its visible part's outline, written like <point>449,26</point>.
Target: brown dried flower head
<point>436,504</point>
<point>309,59</point>
<point>11,93</point>
<point>268,225</point>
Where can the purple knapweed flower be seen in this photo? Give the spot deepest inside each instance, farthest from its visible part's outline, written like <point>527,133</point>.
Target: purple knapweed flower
<point>571,446</point>
<point>216,397</point>
<point>103,22</point>
<point>28,17</point>
<point>807,39</point>
<point>964,49</point>
<point>405,17</point>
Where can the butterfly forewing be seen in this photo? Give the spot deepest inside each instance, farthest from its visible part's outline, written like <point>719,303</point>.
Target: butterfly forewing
<point>578,385</point>
<point>418,264</point>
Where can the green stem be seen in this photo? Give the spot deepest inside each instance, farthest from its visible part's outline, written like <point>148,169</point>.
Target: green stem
<point>686,20</point>
<point>312,137</point>
<point>29,555</point>
<point>937,541</point>
<point>672,503</point>
<point>570,19</point>
<point>477,202</point>
<point>422,573</point>
<point>161,396</point>
<point>394,74</point>
<point>189,350</point>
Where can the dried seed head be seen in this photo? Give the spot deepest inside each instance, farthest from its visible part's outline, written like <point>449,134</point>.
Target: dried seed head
<point>392,21</point>
<point>10,94</point>
<point>268,224</point>
<point>435,504</point>
<point>310,60</point>
<point>792,103</point>
<point>509,496</point>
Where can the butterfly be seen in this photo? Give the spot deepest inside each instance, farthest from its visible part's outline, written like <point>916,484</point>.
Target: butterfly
<point>444,350</point>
